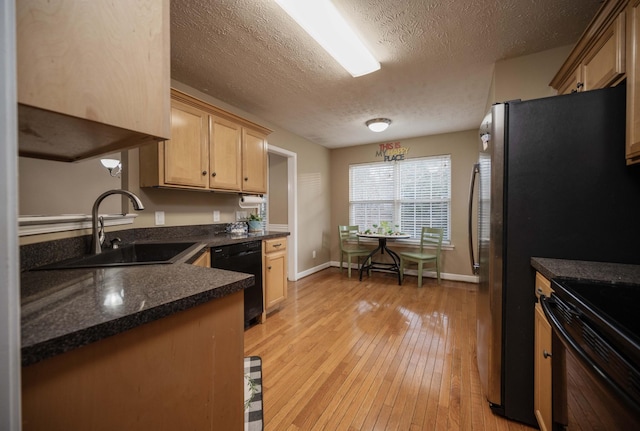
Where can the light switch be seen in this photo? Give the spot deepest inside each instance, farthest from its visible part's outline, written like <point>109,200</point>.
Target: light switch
<point>159,218</point>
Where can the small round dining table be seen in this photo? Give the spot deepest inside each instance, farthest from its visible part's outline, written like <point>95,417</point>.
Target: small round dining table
<point>370,265</point>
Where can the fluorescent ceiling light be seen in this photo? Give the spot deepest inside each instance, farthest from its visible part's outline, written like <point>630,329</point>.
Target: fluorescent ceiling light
<point>324,23</point>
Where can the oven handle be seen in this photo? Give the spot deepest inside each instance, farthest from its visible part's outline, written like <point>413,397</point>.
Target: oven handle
<point>565,337</point>
<point>570,343</point>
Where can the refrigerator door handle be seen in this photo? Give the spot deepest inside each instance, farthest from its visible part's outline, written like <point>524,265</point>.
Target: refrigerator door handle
<point>475,266</point>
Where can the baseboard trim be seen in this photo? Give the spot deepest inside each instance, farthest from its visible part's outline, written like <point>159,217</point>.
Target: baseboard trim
<point>313,270</point>
<point>429,274</point>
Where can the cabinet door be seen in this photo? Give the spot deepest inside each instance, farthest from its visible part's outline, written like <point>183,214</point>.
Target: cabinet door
<point>186,153</point>
<point>573,84</point>
<point>275,278</point>
<point>254,161</point>
<point>204,260</point>
<point>542,365</point>
<point>604,64</point>
<point>633,82</point>
<point>225,154</point>
<point>103,61</point>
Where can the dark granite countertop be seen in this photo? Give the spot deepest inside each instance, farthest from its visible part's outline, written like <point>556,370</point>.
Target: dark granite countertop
<point>587,271</point>
<point>65,309</point>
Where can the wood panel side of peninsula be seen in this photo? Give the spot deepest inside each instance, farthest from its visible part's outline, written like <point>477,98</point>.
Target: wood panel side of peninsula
<point>184,371</point>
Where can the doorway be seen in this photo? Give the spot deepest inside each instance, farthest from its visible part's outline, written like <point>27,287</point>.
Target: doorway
<point>286,181</point>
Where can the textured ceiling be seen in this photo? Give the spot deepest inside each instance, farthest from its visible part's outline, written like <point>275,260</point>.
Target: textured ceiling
<point>436,58</point>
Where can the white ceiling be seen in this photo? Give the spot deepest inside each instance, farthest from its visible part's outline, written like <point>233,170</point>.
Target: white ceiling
<point>437,60</point>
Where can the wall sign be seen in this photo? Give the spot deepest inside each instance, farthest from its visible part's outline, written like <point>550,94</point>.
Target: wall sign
<point>392,151</point>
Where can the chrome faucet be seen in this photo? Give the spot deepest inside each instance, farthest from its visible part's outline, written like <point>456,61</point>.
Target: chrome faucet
<point>97,228</point>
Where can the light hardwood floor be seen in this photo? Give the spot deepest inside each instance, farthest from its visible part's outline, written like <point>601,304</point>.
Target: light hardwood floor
<point>341,354</point>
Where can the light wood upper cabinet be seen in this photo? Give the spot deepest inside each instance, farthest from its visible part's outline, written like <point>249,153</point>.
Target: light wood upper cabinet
<point>93,77</point>
<point>633,82</point>
<point>210,149</point>
<point>185,155</point>
<point>573,83</point>
<point>606,54</point>
<point>254,161</point>
<point>598,60</point>
<point>226,154</point>
<point>605,61</point>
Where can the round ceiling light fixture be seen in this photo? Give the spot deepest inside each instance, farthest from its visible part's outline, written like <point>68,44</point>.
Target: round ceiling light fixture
<point>378,124</point>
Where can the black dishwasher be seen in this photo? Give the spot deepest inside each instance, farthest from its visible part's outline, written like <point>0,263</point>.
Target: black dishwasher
<point>244,257</point>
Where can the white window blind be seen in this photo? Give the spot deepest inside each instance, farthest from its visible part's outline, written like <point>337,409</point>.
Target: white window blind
<point>410,193</point>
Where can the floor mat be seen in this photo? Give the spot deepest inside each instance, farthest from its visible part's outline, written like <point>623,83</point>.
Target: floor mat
<point>253,394</point>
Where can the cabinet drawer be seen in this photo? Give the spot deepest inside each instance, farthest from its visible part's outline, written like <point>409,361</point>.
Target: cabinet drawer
<point>276,244</point>
<point>543,286</point>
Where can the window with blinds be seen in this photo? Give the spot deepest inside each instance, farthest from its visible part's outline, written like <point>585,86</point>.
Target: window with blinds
<point>409,193</point>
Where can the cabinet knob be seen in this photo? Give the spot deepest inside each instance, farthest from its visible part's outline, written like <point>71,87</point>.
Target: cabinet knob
<point>246,178</point>
<point>213,174</point>
<point>268,267</point>
<point>546,354</point>
<point>204,173</point>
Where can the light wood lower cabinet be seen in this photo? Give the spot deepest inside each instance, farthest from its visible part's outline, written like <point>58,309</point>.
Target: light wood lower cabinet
<point>275,271</point>
<point>542,360</point>
<point>204,260</point>
<point>210,149</point>
<point>184,371</point>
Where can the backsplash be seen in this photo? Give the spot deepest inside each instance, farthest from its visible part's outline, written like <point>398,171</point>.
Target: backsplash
<point>44,253</point>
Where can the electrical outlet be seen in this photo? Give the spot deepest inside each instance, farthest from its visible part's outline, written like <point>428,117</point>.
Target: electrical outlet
<point>159,218</point>
<point>241,215</point>
<point>216,216</point>
<point>313,254</point>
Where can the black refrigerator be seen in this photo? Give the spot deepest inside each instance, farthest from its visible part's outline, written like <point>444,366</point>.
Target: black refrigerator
<point>552,182</point>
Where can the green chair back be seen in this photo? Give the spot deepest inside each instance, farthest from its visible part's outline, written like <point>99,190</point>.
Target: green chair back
<point>347,233</point>
<point>431,237</point>
<point>350,246</point>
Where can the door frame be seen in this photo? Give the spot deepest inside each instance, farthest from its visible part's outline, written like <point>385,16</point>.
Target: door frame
<point>292,208</point>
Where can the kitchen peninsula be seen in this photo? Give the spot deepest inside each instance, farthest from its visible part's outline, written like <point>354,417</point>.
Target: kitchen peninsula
<point>140,347</point>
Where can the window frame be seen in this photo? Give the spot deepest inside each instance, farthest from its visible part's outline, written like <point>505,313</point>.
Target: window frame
<point>398,200</point>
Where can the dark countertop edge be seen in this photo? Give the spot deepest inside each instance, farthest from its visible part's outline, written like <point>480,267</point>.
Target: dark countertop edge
<point>48,348</point>
<point>587,271</point>
<point>73,340</point>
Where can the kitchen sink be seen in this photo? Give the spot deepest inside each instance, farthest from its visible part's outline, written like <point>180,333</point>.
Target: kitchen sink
<point>132,254</point>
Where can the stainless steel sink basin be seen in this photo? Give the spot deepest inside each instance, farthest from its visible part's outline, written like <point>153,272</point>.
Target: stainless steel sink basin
<point>133,254</point>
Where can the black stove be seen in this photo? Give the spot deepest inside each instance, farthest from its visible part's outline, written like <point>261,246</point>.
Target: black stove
<point>596,354</point>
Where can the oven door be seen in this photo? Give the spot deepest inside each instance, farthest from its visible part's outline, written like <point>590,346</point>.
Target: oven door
<point>586,394</point>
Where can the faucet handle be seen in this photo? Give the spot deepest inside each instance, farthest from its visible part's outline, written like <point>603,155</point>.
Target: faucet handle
<point>115,243</point>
